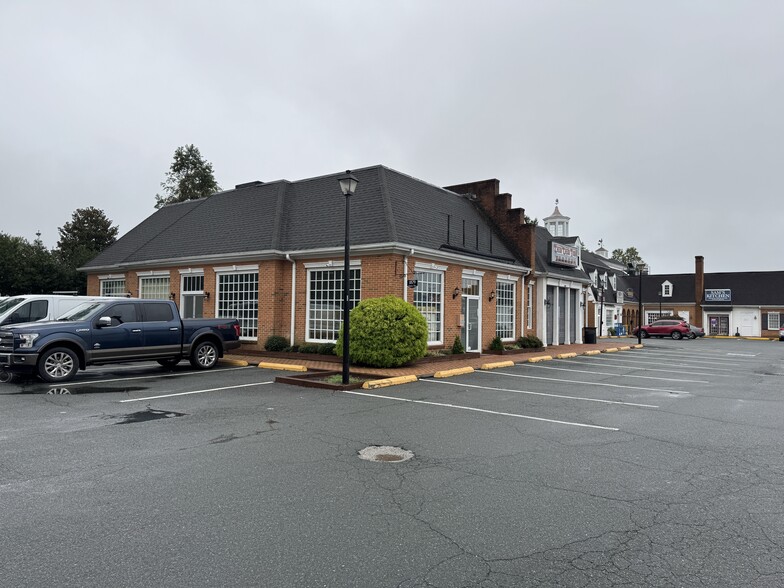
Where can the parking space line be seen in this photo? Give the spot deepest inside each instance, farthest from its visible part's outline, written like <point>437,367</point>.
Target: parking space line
<point>654,361</point>
<point>482,410</point>
<point>631,364</point>
<point>585,383</point>
<point>195,392</point>
<point>161,375</point>
<point>582,398</point>
<point>547,367</point>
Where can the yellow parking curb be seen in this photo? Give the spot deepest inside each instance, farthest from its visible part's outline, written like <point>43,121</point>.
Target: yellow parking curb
<point>237,362</point>
<point>638,346</point>
<point>592,352</point>
<point>372,384</point>
<point>565,355</point>
<point>497,364</point>
<point>454,372</point>
<point>624,348</point>
<point>542,358</point>
<point>610,350</point>
<point>283,366</point>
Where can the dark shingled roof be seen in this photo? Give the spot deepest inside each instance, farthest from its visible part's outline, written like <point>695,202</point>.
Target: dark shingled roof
<point>282,216</point>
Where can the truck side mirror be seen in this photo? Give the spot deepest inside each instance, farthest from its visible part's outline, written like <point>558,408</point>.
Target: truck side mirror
<point>104,321</point>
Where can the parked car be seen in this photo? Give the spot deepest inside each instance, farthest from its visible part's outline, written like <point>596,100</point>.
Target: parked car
<point>696,331</point>
<point>28,308</point>
<point>120,330</point>
<point>781,334</point>
<point>676,329</point>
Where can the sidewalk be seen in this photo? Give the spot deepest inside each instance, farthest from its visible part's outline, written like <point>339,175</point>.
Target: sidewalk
<point>427,369</point>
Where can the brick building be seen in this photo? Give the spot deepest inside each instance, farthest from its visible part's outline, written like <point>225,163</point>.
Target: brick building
<point>271,254</point>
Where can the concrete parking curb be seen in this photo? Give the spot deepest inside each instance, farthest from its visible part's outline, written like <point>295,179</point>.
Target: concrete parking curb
<point>373,384</point>
<point>282,366</point>
<point>610,350</point>
<point>638,346</point>
<point>542,358</point>
<point>454,372</point>
<point>237,362</point>
<point>497,364</point>
<point>592,352</point>
<point>624,348</point>
<point>565,355</point>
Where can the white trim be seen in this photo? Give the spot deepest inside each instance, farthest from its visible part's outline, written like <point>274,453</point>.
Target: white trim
<point>337,264</point>
<point>442,273</point>
<point>153,274</point>
<point>430,266</point>
<point>192,271</point>
<point>111,277</point>
<point>472,273</point>
<point>236,268</point>
<point>507,278</point>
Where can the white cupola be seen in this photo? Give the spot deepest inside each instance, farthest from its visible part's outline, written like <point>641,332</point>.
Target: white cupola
<point>557,224</point>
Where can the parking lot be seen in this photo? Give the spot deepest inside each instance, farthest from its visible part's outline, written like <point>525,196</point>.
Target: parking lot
<point>661,466</point>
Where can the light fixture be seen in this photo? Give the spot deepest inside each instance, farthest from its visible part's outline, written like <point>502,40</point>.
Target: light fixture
<point>129,294</point>
<point>492,296</point>
<point>171,296</point>
<point>206,296</point>
<point>547,302</point>
<point>348,183</point>
<point>455,293</point>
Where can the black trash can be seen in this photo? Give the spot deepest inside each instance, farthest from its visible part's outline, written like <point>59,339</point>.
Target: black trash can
<point>589,334</point>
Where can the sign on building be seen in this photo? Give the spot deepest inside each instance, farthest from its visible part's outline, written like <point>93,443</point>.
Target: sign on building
<point>565,255</point>
<point>718,295</point>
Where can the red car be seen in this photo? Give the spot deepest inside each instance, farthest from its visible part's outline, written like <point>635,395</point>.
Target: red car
<point>666,328</point>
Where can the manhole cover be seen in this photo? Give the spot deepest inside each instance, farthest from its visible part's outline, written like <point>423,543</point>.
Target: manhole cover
<point>385,453</point>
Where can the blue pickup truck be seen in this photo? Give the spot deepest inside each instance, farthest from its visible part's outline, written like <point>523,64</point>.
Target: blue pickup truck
<point>121,330</point>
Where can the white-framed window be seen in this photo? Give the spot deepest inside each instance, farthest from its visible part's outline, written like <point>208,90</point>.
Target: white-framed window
<point>113,286</point>
<point>154,287</point>
<point>505,309</point>
<point>325,302</point>
<point>652,316</point>
<point>774,321</point>
<point>613,282</point>
<point>529,307</point>
<point>604,281</point>
<point>192,295</point>
<point>429,301</point>
<point>238,297</point>
<point>595,277</point>
<point>666,289</point>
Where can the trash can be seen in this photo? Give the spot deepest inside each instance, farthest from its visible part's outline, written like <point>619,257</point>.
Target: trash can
<point>589,334</point>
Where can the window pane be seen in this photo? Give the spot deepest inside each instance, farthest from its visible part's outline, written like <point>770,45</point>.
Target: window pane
<point>428,301</point>
<point>504,310</point>
<point>238,297</point>
<point>156,288</point>
<point>325,302</point>
<point>113,287</point>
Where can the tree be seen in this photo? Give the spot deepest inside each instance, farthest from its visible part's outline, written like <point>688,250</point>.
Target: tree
<point>87,234</point>
<point>190,177</point>
<point>627,256</point>
<point>28,268</point>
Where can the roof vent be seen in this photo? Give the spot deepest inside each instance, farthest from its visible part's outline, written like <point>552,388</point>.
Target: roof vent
<point>249,184</point>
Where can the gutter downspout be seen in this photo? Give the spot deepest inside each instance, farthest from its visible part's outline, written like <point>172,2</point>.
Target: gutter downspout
<point>405,274</point>
<point>293,294</point>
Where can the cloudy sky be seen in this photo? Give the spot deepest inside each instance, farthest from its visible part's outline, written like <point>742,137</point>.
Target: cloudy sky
<point>658,125</point>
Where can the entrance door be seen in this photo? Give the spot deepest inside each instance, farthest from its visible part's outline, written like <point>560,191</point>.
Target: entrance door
<point>718,324</point>
<point>470,330</point>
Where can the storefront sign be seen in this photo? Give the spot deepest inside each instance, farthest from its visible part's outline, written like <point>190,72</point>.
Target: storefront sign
<point>565,255</point>
<point>718,295</point>
<point>413,283</point>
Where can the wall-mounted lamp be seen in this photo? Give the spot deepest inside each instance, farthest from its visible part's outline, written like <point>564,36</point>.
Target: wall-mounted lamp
<point>455,293</point>
<point>129,294</point>
<point>582,303</point>
<point>171,296</point>
<point>492,296</point>
<point>206,296</point>
<point>547,302</point>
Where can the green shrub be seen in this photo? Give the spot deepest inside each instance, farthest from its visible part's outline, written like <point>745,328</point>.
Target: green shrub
<point>496,344</point>
<point>457,346</point>
<point>385,332</point>
<point>611,331</point>
<point>309,348</point>
<point>276,343</point>
<point>326,349</point>
<point>530,342</point>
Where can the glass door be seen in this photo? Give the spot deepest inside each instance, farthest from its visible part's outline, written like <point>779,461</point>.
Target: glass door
<point>470,308</point>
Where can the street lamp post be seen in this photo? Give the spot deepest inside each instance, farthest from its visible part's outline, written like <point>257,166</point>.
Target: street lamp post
<point>348,183</point>
<point>601,310</point>
<point>639,268</point>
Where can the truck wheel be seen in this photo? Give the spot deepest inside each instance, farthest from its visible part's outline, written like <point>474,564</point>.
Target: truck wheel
<point>205,355</point>
<point>6,377</point>
<point>58,364</point>
<point>169,363</point>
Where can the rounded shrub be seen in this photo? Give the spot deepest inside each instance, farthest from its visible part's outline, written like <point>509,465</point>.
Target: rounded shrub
<point>276,343</point>
<point>385,332</point>
<point>496,344</point>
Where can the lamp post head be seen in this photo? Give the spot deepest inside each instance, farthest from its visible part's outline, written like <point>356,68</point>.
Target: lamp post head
<point>348,183</point>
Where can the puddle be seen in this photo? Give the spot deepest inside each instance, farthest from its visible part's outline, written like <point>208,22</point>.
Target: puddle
<point>143,416</point>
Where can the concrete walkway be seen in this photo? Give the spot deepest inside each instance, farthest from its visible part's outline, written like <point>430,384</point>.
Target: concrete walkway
<point>427,369</point>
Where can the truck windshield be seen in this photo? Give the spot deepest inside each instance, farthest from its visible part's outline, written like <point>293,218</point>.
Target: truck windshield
<point>10,303</point>
<point>82,311</point>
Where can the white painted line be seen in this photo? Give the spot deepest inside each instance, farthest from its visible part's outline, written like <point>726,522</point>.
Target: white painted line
<point>744,354</point>
<point>161,375</point>
<point>616,362</point>
<point>482,410</point>
<point>583,398</point>
<point>195,392</point>
<point>660,362</point>
<point>587,383</point>
<point>546,367</point>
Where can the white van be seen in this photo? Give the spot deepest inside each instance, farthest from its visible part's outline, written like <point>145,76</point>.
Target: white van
<point>39,307</point>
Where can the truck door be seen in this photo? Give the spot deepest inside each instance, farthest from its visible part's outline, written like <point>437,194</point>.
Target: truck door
<point>162,332</point>
<point>123,339</point>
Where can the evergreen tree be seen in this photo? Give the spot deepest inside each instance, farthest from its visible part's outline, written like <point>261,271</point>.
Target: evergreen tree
<point>87,234</point>
<point>190,177</point>
<point>628,256</point>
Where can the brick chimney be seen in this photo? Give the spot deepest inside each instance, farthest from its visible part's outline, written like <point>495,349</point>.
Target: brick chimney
<point>511,221</point>
<point>699,288</point>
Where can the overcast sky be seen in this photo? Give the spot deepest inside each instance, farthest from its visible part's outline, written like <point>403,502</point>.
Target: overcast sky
<point>658,125</point>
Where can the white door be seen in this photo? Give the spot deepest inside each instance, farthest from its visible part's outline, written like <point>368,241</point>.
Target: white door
<point>746,323</point>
